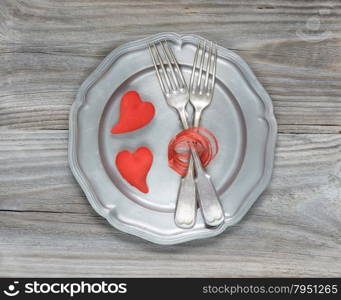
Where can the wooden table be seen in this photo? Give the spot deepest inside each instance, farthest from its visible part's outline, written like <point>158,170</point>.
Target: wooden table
<point>47,227</point>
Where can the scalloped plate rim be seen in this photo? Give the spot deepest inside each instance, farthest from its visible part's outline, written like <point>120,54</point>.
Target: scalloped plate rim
<point>187,236</point>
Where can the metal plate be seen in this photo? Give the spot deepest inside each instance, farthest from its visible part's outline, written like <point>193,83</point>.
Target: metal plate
<point>241,116</point>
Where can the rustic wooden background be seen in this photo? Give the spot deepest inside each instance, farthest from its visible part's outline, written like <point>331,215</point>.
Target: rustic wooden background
<point>47,48</point>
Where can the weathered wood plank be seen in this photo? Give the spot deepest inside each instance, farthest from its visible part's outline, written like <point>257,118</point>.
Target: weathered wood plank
<point>47,227</point>
<point>48,48</point>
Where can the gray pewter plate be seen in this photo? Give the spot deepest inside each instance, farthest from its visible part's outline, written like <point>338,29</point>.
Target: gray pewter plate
<point>241,116</point>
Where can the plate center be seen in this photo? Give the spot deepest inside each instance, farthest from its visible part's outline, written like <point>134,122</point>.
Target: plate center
<point>223,117</point>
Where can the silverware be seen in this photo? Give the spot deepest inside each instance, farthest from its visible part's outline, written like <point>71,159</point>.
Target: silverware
<point>171,80</point>
<point>202,79</point>
<point>176,93</point>
<point>201,93</point>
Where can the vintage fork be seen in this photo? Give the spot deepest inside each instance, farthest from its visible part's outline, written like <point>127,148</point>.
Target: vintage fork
<point>201,90</point>
<point>176,93</point>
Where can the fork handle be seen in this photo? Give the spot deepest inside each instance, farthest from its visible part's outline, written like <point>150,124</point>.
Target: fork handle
<point>183,117</point>
<point>185,213</point>
<point>186,208</point>
<point>211,207</point>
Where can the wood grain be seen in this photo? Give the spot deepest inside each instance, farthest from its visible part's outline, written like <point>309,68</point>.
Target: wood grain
<point>47,227</point>
<point>48,48</point>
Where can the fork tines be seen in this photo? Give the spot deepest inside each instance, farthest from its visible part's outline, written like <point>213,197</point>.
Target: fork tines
<point>167,68</point>
<point>204,69</point>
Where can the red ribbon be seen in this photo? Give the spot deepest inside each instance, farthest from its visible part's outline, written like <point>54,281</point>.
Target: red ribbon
<point>201,139</point>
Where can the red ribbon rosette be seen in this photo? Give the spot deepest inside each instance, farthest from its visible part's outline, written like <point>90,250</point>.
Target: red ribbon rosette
<point>200,139</point>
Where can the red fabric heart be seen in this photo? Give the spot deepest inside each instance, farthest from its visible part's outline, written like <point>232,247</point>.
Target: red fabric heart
<point>134,167</point>
<point>134,113</point>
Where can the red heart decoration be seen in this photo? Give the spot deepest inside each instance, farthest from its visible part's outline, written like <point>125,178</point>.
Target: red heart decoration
<point>134,113</point>
<point>134,167</point>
